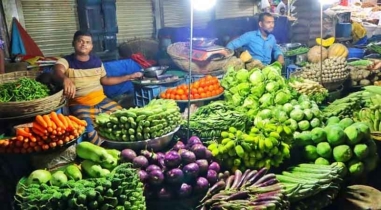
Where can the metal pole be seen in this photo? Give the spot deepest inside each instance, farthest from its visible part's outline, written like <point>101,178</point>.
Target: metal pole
<point>321,44</point>
<point>190,66</point>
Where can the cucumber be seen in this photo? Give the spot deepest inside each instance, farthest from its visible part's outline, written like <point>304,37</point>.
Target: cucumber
<point>131,131</point>
<point>314,166</point>
<point>141,118</point>
<point>72,172</point>
<point>312,175</point>
<point>287,179</point>
<point>311,171</point>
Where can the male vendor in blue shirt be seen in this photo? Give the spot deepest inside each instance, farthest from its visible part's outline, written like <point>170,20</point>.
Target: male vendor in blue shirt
<point>260,44</point>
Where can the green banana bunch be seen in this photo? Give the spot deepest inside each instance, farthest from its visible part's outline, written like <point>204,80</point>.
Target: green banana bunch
<point>371,116</point>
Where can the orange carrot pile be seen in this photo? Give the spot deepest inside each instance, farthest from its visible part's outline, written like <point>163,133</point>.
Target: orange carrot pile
<point>48,132</point>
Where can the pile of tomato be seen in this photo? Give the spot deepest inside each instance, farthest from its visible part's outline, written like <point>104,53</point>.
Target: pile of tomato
<point>206,87</point>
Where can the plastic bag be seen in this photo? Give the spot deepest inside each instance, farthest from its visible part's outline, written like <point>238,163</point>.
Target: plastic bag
<point>55,159</point>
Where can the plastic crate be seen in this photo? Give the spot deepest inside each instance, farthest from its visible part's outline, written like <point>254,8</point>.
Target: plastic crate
<point>290,69</point>
<point>144,94</point>
<point>288,60</point>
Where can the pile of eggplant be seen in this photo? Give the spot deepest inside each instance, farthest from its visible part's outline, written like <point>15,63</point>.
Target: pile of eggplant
<point>249,190</point>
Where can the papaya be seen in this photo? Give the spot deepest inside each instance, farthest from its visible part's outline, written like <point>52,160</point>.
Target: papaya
<point>353,135</point>
<point>333,120</point>
<point>303,138</point>
<point>318,135</point>
<point>342,153</point>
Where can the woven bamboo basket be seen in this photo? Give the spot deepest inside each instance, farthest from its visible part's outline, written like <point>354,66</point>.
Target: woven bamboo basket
<point>201,67</point>
<point>9,109</point>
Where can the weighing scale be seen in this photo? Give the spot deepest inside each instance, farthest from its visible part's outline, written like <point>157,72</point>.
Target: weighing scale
<point>206,53</point>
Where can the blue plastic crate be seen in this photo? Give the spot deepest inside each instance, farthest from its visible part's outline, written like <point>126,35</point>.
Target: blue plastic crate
<point>144,94</point>
<point>290,69</point>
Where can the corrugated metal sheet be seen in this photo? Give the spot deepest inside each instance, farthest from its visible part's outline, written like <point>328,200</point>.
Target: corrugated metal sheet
<point>177,14</point>
<point>51,23</point>
<point>135,19</point>
<point>235,8</point>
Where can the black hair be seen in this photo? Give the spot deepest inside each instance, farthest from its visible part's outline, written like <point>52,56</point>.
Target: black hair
<point>80,33</point>
<point>262,16</point>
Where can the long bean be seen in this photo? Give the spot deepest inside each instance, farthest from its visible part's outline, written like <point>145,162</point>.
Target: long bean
<point>24,89</point>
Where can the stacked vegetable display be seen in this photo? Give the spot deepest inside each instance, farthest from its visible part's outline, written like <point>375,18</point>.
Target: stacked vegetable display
<point>24,89</point>
<point>334,70</point>
<point>158,118</point>
<point>344,107</point>
<point>340,141</point>
<point>308,185</point>
<point>360,72</point>
<point>206,87</point>
<point>120,190</point>
<point>210,120</point>
<point>314,90</point>
<point>370,114</point>
<point>46,132</point>
<point>183,171</point>
<point>249,190</point>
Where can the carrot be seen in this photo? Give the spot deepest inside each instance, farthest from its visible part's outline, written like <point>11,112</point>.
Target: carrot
<point>60,142</point>
<point>40,120</point>
<point>37,132</point>
<point>54,126</point>
<point>56,120</point>
<point>22,132</point>
<point>19,143</point>
<point>39,128</point>
<point>45,138</point>
<point>25,145</point>
<point>78,121</point>
<point>33,139</point>
<point>52,137</point>
<point>53,144</point>
<point>66,139</point>
<point>30,150</point>
<point>62,118</point>
<point>27,129</point>
<point>20,138</point>
<point>37,148</point>
<point>71,137</point>
<point>23,151</point>
<point>70,126</point>
<point>40,143</point>
<point>26,140</point>
<point>45,147</point>
<point>54,132</point>
<point>32,144</point>
<point>50,129</point>
<point>47,120</point>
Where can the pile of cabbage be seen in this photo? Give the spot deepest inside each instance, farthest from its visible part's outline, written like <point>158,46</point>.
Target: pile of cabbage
<point>254,90</point>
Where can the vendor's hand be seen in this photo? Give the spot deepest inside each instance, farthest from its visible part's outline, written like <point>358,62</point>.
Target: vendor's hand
<point>136,75</point>
<point>69,88</point>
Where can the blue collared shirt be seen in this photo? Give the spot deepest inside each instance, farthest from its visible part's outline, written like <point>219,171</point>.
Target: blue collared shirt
<point>258,47</point>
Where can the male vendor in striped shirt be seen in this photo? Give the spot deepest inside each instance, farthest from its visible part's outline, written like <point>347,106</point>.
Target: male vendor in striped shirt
<point>261,44</point>
<point>83,75</point>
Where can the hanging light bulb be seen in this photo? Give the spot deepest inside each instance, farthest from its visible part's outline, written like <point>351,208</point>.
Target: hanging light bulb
<point>324,2</point>
<point>202,5</point>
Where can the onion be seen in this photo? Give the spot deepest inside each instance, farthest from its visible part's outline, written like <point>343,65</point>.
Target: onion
<point>203,166</point>
<point>143,176</point>
<point>156,177</point>
<point>174,176</point>
<point>179,145</point>
<point>172,159</point>
<point>199,150</point>
<point>215,167</point>
<point>128,155</point>
<point>188,157</point>
<point>140,162</point>
<point>201,186</point>
<point>184,191</point>
<point>193,140</point>
<point>212,177</point>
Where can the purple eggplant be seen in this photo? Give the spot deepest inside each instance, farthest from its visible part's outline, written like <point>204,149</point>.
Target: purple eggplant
<point>257,176</point>
<point>185,190</point>
<point>229,182</point>
<point>187,157</point>
<point>172,159</point>
<point>249,176</point>
<point>151,156</point>
<point>214,189</point>
<point>165,194</point>
<point>160,155</point>
<point>265,178</point>
<point>240,195</point>
<point>215,167</point>
<point>201,186</point>
<point>237,179</point>
<point>152,167</point>
<point>191,171</point>
<point>199,150</point>
<point>143,176</point>
<point>179,145</point>
<point>212,176</point>
<point>140,162</point>
<point>203,166</point>
<point>208,155</point>
<point>243,178</point>
<point>269,182</point>
<point>128,155</point>
<point>192,141</point>
<point>156,177</point>
<point>174,176</point>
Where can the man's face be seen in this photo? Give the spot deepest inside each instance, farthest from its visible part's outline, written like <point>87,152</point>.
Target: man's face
<point>267,24</point>
<point>83,45</point>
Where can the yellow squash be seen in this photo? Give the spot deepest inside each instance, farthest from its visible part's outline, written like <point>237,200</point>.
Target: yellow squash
<point>337,50</point>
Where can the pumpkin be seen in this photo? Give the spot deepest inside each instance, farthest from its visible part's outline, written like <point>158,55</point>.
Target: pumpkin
<point>337,50</point>
<point>314,54</point>
<point>245,56</point>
